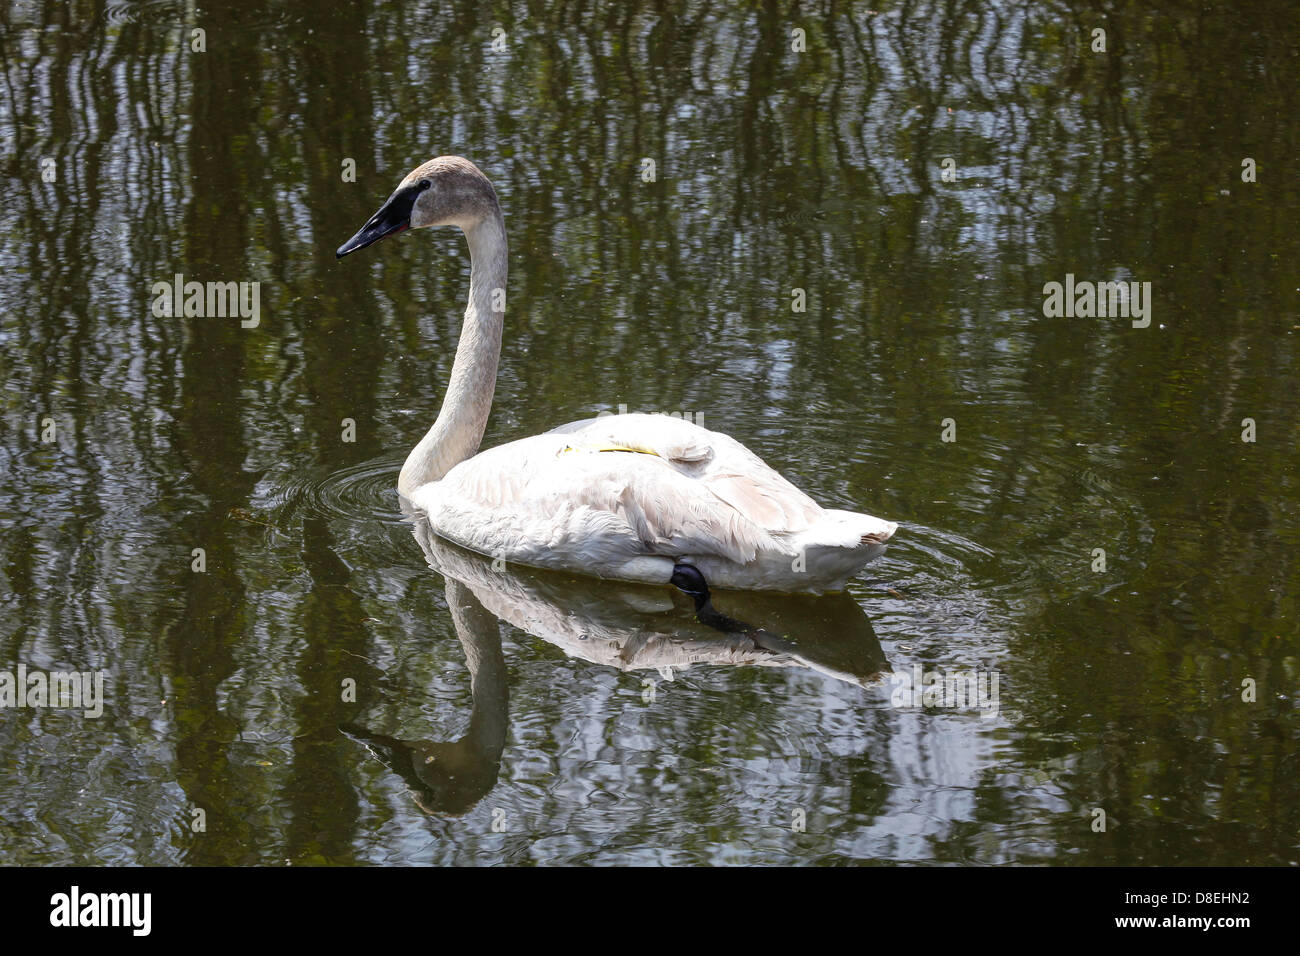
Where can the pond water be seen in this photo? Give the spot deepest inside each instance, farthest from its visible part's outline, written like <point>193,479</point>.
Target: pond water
<point>1101,514</point>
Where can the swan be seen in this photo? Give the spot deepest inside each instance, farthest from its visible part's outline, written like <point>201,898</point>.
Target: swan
<point>630,497</point>
<point>622,627</point>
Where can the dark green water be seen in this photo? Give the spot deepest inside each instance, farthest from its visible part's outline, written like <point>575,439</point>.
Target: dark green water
<point>1121,690</point>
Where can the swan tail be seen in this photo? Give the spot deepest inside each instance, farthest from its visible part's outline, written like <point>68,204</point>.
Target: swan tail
<point>838,546</point>
<point>818,559</point>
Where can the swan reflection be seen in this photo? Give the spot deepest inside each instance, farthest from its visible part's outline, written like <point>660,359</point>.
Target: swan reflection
<point>630,627</point>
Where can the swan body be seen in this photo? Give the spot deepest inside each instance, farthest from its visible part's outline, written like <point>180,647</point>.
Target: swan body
<point>630,496</point>
<point>618,496</point>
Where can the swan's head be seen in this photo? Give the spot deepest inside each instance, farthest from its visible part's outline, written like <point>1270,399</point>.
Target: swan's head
<point>447,191</point>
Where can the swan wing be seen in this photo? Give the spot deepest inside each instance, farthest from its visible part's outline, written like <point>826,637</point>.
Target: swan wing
<point>723,466</point>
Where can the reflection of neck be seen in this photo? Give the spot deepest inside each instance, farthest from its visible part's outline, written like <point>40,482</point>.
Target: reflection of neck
<point>462,420</point>
<point>480,635</point>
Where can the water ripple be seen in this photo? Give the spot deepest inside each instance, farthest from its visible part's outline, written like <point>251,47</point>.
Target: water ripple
<point>364,492</point>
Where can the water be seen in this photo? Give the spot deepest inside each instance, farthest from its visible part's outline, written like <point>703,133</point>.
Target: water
<point>571,723</point>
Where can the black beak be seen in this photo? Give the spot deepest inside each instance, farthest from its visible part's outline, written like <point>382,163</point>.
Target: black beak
<point>393,217</point>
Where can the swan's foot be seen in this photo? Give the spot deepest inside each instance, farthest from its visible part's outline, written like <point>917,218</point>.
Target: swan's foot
<point>688,579</point>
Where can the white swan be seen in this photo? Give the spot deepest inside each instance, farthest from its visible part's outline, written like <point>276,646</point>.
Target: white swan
<point>628,497</point>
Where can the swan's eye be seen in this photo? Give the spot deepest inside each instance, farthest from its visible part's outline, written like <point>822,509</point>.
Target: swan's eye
<point>425,184</point>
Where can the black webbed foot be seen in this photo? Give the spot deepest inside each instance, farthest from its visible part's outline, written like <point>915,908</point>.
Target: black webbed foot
<point>688,579</point>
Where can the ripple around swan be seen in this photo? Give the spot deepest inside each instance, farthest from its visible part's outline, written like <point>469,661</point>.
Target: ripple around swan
<point>118,12</point>
<point>947,596</point>
<point>1081,506</point>
<point>364,492</point>
<point>1076,507</point>
<point>933,579</point>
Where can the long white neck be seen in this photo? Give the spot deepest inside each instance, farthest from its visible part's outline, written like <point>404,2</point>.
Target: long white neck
<point>456,434</point>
